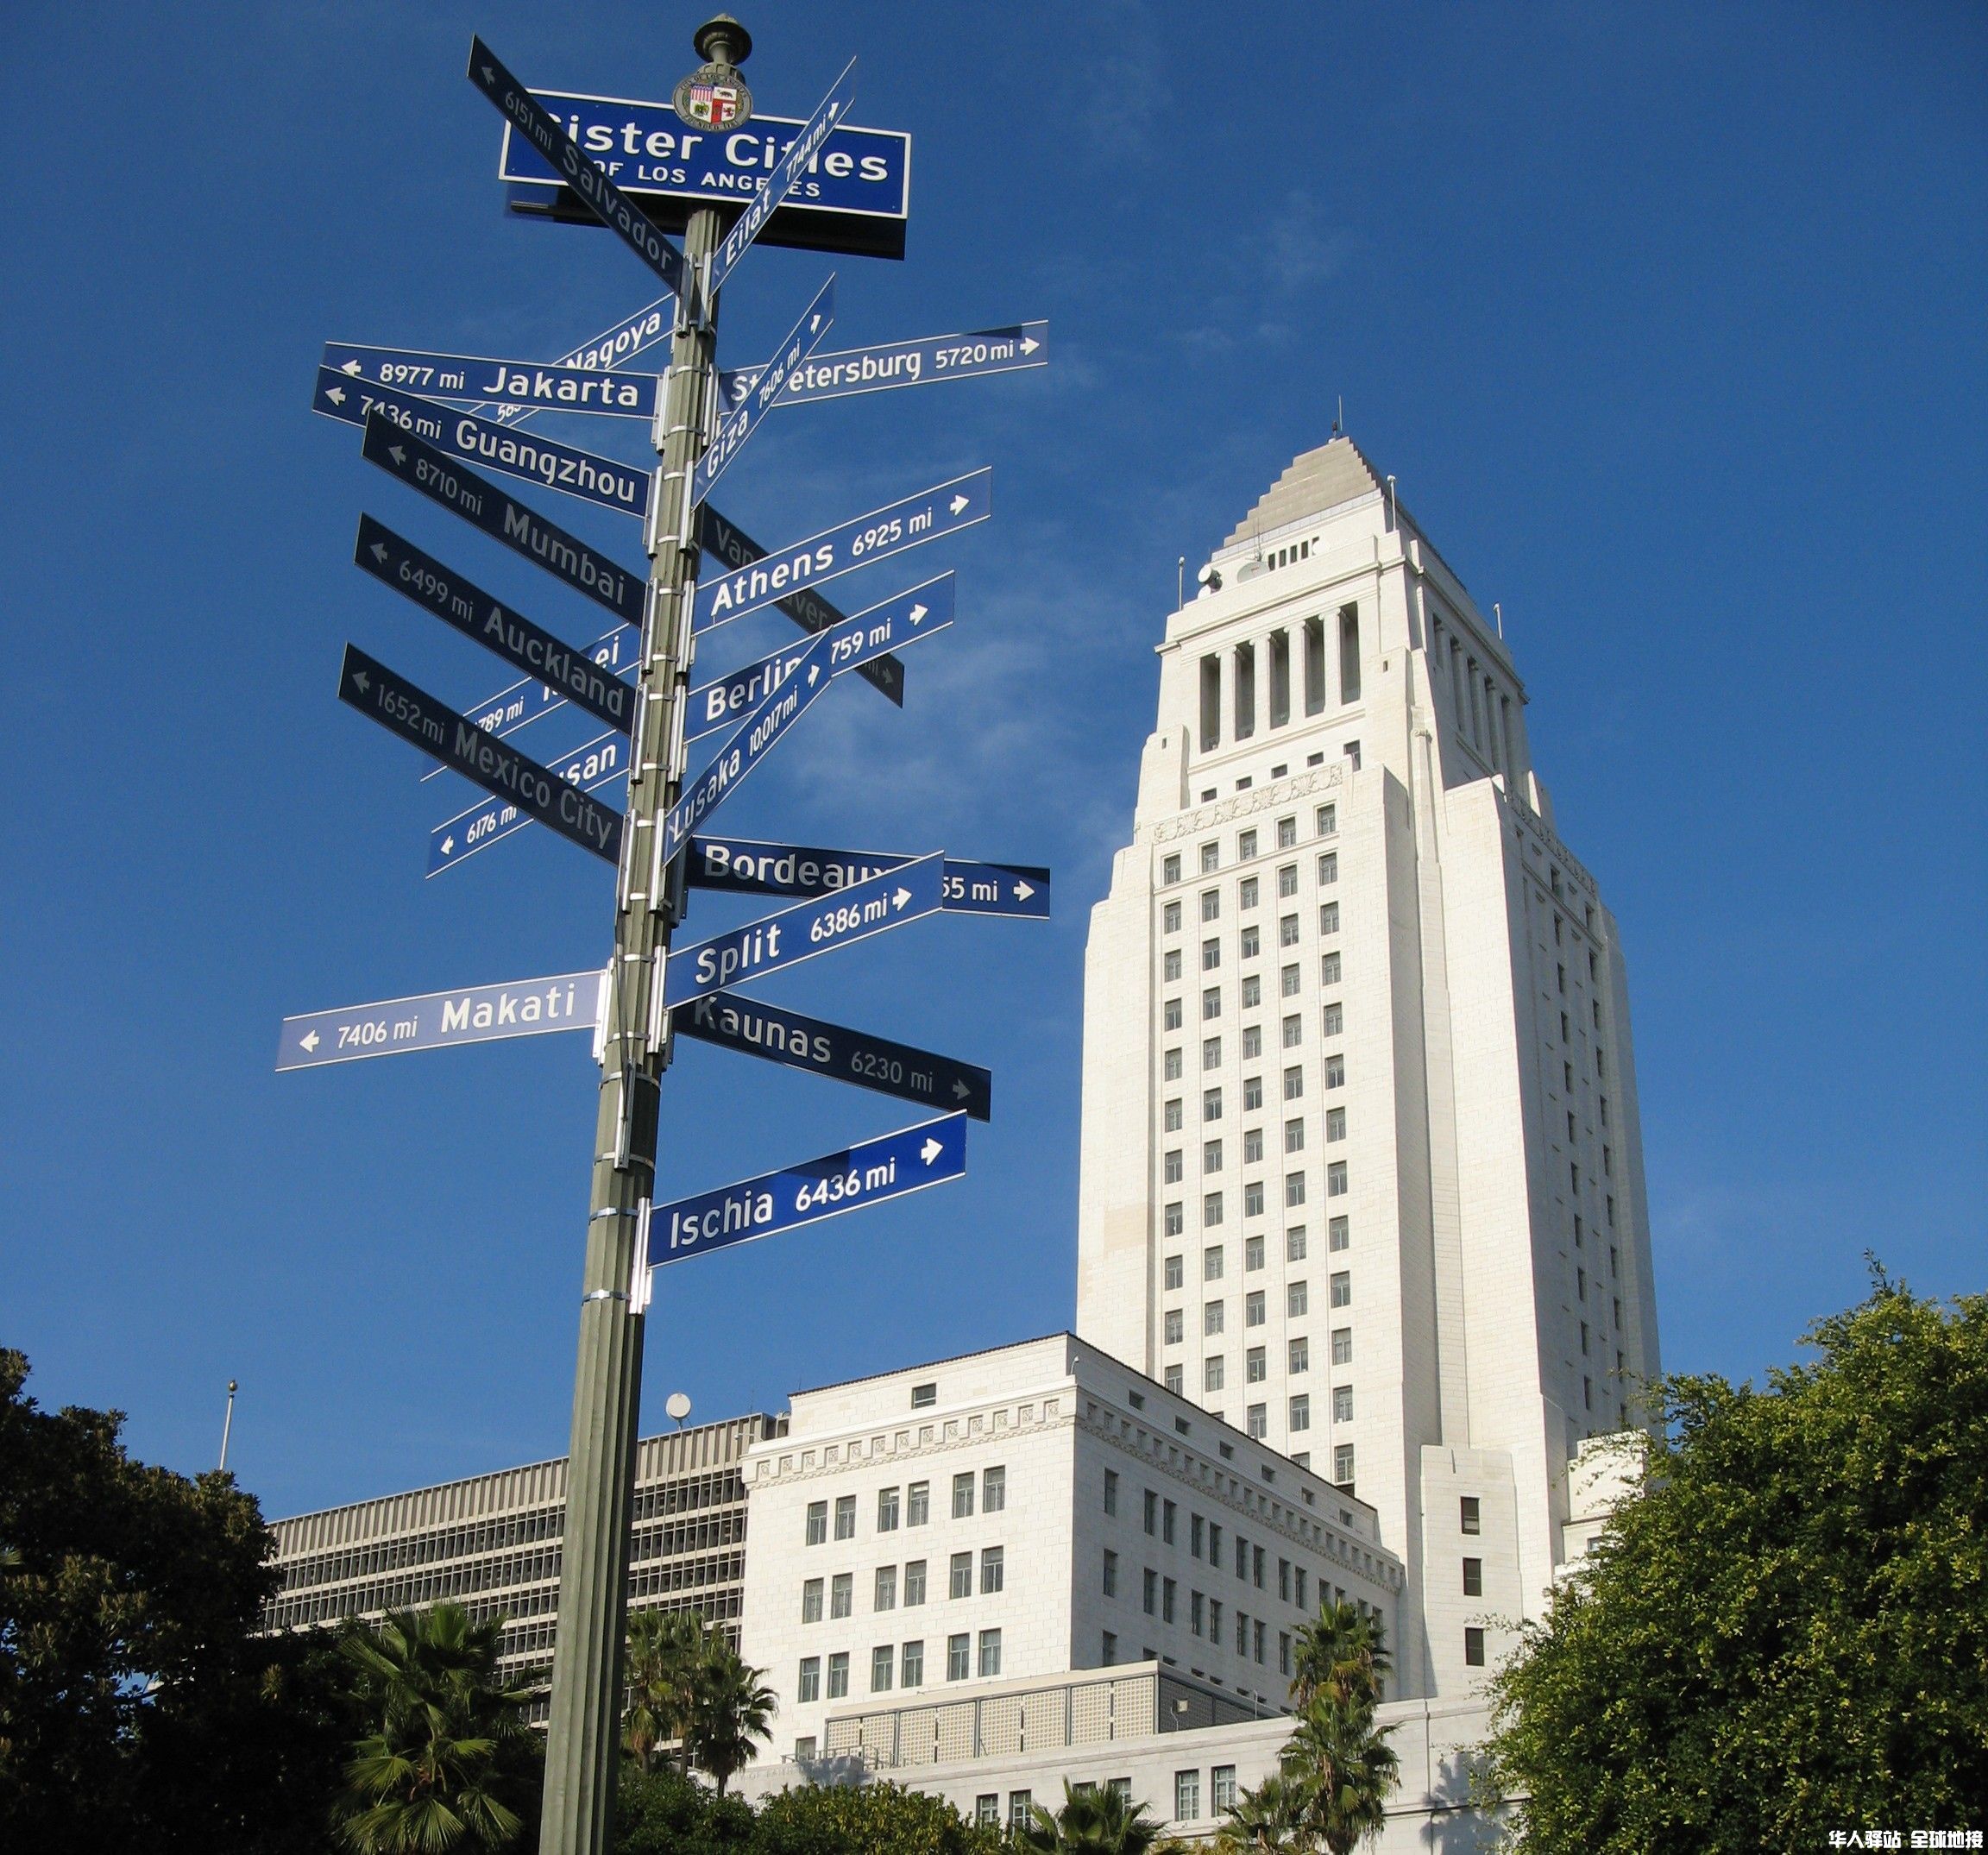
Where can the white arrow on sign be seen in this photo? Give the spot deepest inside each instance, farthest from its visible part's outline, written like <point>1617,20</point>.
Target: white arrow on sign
<point>917,614</point>
<point>361,680</point>
<point>959,503</point>
<point>335,395</point>
<point>449,846</point>
<point>961,1092</point>
<point>351,367</point>
<point>1022,892</point>
<point>398,453</point>
<point>930,1151</point>
<point>311,1041</point>
<point>898,900</point>
<point>1029,344</point>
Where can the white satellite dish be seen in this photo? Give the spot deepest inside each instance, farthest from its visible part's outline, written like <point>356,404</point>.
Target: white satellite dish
<point>677,1403</point>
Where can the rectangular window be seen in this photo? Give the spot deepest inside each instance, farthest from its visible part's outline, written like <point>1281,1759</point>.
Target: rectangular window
<point>1211,1374</point>
<point>1246,893</point>
<point>1111,1478</point>
<point>1171,1166</point>
<point>1197,1613</point>
<point>963,1495</point>
<point>1335,1072</point>
<point>1294,1083</point>
<point>817,1522</point>
<point>1211,1263</point>
<point>1350,653</point>
<point>1293,1032</point>
<point>1249,945</point>
<point>1473,1646</point>
<point>1329,867</point>
<point>1020,1812</point>
<point>1252,1041</point>
<point>1170,918</point>
<point>1301,1411</point>
<point>1258,1421</point>
<point>1342,1346</point>
<point>1289,982</point>
<point>1343,1464</point>
<point>1328,918</point>
<point>1287,931</point>
<point>1211,1002</point>
<point>962,1576</point>
<point>1173,1064</point>
<point>1173,1116</point>
<point>1314,667</point>
<point>1253,1250</point>
<point>1335,1124</point>
<point>1211,1209</point>
<point>1252,986</point>
<point>1222,1788</point>
<point>1168,1590</point>
<point>911,1666</point>
<point>1331,1022</point>
<point>1211,904</point>
<point>1287,882</point>
<point>1175,1327</point>
<point>1211,1156</point>
<point>1150,1591</point>
<point>1301,1600</point>
<point>1170,868</point>
<point>1298,1299</point>
<point>1151,1519</point>
<point>1336,1180</point>
<point>1473,1577</point>
<point>993,1569</point>
<point>1174,1381</point>
<point>1301,1355</point>
<point>845,1517</point>
<point>1467,1519</point>
<point>1294,1189</point>
<point>1343,1289</point>
<point>1295,1244</point>
<point>914,1582</point>
<point>1253,1310</point>
<point>811,1601</point>
<point>1170,1015</point>
<point>1111,1573</point>
<point>1330,969</point>
<point>1283,1652</point>
<point>1214,1619</point>
<point>885,1597</point>
<point>883,1661</point>
<point>1210,955</point>
<point>1255,1365</point>
<point>990,1653</point>
<point>993,1489</point>
<point>1108,1649</point>
<point>1168,1513</point>
<point>842,1594</point>
<point>1341,1404</point>
<point>838,1676</point>
<point>887,1510</point>
<point>808,1687</point>
<point>1187,1796</point>
<point>1170,967</point>
<point>1295,1134</point>
<point>1212,1319</point>
<point>1210,1053</point>
<point>1338,1234</point>
<point>959,1657</point>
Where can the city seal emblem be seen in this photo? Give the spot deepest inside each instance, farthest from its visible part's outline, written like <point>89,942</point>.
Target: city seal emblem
<point>714,95</point>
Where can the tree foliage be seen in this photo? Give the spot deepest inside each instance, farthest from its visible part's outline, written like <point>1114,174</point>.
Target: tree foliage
<point>1785,1630</point>
<point>687,1683</point>
<point>1095,1821</point>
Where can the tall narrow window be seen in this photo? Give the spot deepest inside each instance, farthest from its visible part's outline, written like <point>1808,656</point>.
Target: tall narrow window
<point>1210,702</point>
<point>1349,653</point>
<point>1245,691</point>
<point>1314,666</point>
<point>1280,678</point>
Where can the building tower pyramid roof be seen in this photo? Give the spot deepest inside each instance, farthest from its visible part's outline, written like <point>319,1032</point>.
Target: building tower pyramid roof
<point>1316,480</point>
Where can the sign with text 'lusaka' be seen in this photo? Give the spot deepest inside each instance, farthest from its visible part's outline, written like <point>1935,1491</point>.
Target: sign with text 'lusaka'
<point>434,1021</point>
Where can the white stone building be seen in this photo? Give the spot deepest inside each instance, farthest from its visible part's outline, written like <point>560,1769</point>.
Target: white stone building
<point>1361,1169</point>
<point>928,1545</point>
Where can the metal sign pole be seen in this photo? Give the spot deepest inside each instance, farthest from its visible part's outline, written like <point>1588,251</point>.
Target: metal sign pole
<point>582,1745</point>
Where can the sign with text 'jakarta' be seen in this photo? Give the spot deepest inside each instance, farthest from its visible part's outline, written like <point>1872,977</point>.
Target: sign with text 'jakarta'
<point>593,766</point>
<point>942,510</point>
<point>797,160</point>
<point>857,641</point>
<point>936,357</point>
<point>541,386</point>
<point>746,867</point>
<point>794,934</point>
<point>614,346</point>
<point>823,1049</point>
<point>743,420</point>
<point>398,706</point>
<point>869,1174</point>
<point>484,441</point>
<point>433,1021</point>
<point>854,197</point>
<point>499,514</point>
<point>399,563</point>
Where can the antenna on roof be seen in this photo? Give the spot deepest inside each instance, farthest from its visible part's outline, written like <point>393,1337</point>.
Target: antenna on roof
<point>1498,612</point>
<point>1339,421</point>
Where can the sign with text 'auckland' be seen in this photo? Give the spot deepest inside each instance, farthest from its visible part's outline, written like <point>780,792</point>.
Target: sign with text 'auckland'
<point>432,1021</point>
<point>888,1167</point>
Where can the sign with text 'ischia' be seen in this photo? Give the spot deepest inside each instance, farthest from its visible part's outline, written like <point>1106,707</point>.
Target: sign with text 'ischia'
<point>754,1029</point>
<point>500,515</point>
<point>593,766</point>
<point>869,1174</point>
<point>844,371</point>
<point>855,196</point>
<point>433,1021</point>
<point>398,706</point>
<point>476,440</point>
<point>786,939</point>
<point>535,386</point>
<point>942,510</point>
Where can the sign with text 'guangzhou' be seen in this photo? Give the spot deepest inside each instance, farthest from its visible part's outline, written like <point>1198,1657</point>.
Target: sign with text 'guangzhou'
<point>434,1021</point>
<point>499,514</point>
<point>942,510</point>
<point>534,385</point>
<point>844,371</point>
<point>868,1173</point>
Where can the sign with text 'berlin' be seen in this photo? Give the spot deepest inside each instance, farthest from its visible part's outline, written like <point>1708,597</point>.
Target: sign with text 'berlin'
<point>434,1021</point>
<point>755,1029</point>
<point>942,510</point>
<point>593,766</point>
<point>398,706</point>
<point>744,866</point>
<point>475,440</point>
<point>869,1174</point>
<point>743,420</point>
<point>857,640</point>
<point>538,385</point>
<point>854,197</point>
<point>399,563</point>
<point>844,371</point>
<point>499,514</point>
<point>786,939</point>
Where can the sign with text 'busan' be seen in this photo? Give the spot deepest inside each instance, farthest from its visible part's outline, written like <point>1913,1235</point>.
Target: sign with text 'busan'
<point>433,1021</point>
<point>855,196</point>
<point>592,766</point>
<point>869,1174</point>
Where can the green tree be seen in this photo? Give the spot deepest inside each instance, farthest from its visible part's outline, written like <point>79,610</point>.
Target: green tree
<point>1338,1655</point>
<point>661,1812</point>
<point>868,1820</point>
<point>1785,1630</point>
<point>733,1711</point>
<point>450,1761</point>
<point>1337,1769</point>
<point>1097,1820</point>
<point>665,1649</point>
<point>1271,1820</point>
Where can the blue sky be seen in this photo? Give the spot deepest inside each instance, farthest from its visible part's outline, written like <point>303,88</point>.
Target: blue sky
<point>1669,321</point>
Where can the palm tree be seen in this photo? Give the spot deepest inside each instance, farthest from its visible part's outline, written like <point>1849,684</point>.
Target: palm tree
<point>1095,1821</point>
<point>1341,1764</point>
<point>1271,1820</point>
<point>664,1651</point>
<point>733,1711</point>
<point>1340,1657</point>
<point>429,1779</point>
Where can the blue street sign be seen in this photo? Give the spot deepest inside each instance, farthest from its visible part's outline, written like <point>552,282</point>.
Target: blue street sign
<point>608,204</point>
<point>433,1021</point>
<point>535,384</point>
<point>744,419</point>
<point>501,516</point>
<point>796,161</point>
<point>807,609</point>
<point>888,1167</point>
<point>750,743</point>
<point>523,703</point>
<point>853,643</point>
<point>613,346</point>
<point>921,363</point>
<point>756,1029</point>
<point>857,199</point>
<point>746,867</point>
<point>460,434</point>
<point>398,706</point>
<point>791,935</point>
<point>508,634</point>
<point>942,510</point>
<point>592,766</point>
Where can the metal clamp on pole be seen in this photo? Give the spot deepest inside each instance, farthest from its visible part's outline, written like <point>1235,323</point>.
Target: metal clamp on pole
<point>635,1127</point>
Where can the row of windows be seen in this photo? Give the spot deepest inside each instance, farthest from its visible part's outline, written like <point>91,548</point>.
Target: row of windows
<point>886,1586</point>
<point>1338,1236</point>
<point>1212,1150</point>
<point>1296,1303</point>
<point>1276,649</point>
<point>914,1509</point>
<point>903,1664</point>
<point>1249,896</point>
<point>1173,1220</point>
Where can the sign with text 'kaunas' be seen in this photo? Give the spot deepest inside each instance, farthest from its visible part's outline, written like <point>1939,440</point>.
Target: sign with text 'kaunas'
<point>476,440</point>
<point>499,514</point>
<point>855,196</point>
<point>433,1021</point>
<point>942,510</point>
<point>397,705</point>
<point>540,387</point>
<point>508,634</point>
<point>742,867</point>
<point>754,1029</point>
<point>868,1173</point>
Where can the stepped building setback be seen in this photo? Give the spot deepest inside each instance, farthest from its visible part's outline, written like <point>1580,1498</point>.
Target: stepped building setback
<point>1361,1166</point>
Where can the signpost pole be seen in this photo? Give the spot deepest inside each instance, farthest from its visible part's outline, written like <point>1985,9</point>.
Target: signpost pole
<point>583,1739</point>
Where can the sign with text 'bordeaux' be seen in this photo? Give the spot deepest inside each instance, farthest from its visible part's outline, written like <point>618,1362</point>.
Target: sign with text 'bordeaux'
<point>432,1021</point>
<point>533,385</point>
<point>384,696</point>
<point>593,766</point>
<point>746,867</point>
<point>942,510</point>
<point>499,514</point>
<point>844,371</point>
<point>888,1167</point>
<point>481,441</point>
